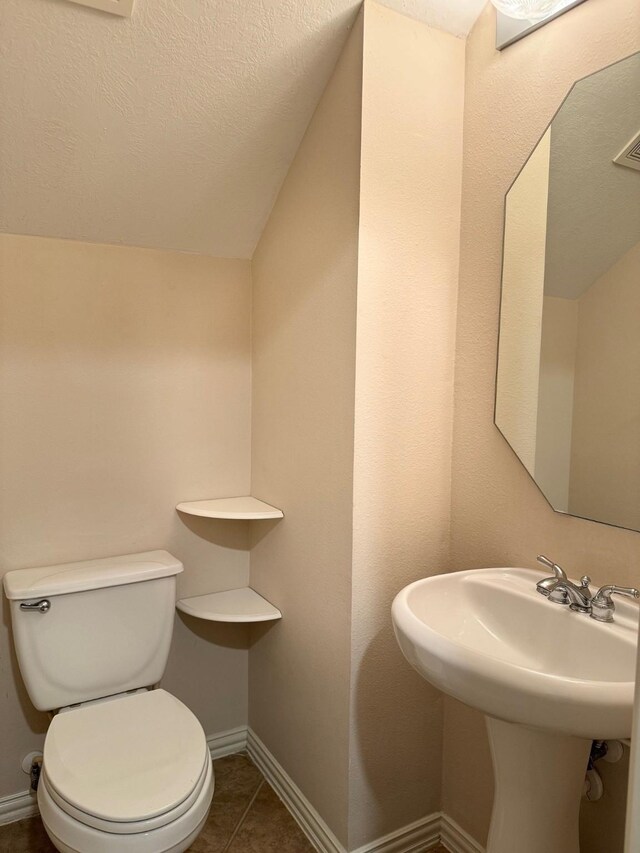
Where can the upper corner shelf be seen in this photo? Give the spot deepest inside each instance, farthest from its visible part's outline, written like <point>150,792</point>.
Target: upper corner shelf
<point>241,508</point>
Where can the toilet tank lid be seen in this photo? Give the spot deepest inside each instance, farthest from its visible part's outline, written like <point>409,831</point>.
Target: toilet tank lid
<point>90,574</point>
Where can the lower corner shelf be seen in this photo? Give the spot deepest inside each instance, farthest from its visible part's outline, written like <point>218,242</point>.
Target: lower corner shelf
<point>233,605</point>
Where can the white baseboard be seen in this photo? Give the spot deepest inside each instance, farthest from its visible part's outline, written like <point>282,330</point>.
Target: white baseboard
<point>418,837</point>
<point>455,839</point>
<point>18,807</point>
<point>227,743</point>
<point>304,813</point>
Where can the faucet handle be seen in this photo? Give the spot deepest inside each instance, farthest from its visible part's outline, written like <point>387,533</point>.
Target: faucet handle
<point>602,606</point>
<point>557,570</point>
<point>585,580</point>
<point>545,586</point>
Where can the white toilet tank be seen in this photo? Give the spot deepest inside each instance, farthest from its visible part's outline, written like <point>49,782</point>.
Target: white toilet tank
<point>88,630</point>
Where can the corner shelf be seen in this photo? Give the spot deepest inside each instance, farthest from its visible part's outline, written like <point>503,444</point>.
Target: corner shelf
<point>242,508</point>
<point>233,605</point>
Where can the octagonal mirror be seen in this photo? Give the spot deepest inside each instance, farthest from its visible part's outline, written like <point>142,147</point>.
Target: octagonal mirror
<point>568,377</point>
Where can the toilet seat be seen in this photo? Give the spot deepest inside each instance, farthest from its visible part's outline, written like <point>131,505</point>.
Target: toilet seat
<point>126,765</point>
<point>69,835</point>
<point>127,827</point>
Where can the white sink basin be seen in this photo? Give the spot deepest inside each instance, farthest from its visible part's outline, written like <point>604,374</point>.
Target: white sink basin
<point>488,638</point>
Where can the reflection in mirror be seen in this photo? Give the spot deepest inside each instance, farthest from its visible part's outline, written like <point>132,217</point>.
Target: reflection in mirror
<point>568,379</point>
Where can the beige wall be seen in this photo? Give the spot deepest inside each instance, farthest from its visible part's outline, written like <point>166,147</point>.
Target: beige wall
<point>559,337</point>
<point>525,239</point>
<point>374,219</point>
<point>413,90</point>
<point>124,381</point>
<point>606,446</point>
<point>127,377</point>
<point>304,275</point>
<point>498,515</point>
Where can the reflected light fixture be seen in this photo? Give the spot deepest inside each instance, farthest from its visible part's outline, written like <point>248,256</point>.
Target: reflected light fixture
<point>528,10</point>
<point>518,18</point>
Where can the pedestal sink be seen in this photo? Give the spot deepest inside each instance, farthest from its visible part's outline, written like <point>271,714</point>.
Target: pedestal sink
<point>548,679</point>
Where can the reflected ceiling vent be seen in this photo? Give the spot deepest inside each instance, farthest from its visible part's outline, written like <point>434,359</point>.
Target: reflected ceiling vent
<point>116,7</point>
<point>630,154</point>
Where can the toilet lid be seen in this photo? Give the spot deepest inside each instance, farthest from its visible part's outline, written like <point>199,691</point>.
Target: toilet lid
<point>126,759</point>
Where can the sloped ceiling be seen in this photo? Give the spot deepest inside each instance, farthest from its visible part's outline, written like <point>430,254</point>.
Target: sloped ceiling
<point>174,128</point>
<point>594,204</point>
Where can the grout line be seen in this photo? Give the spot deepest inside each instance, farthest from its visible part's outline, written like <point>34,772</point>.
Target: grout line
<point>243,816</point>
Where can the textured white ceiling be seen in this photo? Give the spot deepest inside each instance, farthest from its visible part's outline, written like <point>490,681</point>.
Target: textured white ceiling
<point>594,204</point>
<point>173,128</point>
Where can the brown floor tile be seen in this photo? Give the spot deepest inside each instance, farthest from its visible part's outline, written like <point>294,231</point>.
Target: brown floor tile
<point>25,836</point>
<point>269,828</point>
<point>237,780</point>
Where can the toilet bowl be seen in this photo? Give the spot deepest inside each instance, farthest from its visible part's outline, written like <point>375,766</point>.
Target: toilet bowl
<point>130,774</point>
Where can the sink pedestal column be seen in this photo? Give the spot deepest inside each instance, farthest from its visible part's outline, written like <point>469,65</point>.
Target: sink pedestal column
<point>539,779</point>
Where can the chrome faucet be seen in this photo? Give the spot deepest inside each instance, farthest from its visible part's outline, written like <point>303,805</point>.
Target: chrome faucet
<point>577,597</point>
<point>560,590</point>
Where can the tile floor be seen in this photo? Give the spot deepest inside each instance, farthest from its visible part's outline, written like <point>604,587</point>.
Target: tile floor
<point>246,817</point>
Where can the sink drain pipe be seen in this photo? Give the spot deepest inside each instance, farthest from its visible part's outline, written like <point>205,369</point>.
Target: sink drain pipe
<point>610,751</point>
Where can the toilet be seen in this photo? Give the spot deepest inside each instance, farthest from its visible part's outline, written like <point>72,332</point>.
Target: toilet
<point>126,765</point>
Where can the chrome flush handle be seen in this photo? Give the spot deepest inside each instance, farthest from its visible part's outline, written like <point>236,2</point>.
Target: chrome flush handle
<point>42,606</point>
